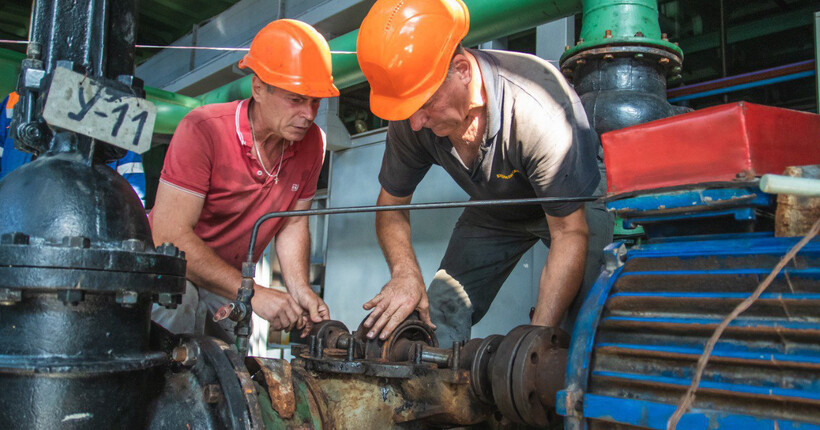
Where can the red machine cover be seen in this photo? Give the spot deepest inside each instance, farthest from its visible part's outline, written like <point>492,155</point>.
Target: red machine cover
<point>710,145</point>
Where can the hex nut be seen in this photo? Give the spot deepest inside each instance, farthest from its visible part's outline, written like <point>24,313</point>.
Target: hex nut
<point>168,249</point>
<point>14,239</point>
<point>169,300</point>
<point>127,298</point>
<point>77,242</point>
<point>133,245</point>
<point>71,297</point>
<point>10,297</point>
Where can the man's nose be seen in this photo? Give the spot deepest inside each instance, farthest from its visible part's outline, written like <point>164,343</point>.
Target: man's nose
<point>309,113</point>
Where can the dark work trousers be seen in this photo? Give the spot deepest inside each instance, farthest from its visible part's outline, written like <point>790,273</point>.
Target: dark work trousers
<point>479,258</point>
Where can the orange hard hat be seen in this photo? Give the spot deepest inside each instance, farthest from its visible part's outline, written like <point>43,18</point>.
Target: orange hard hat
<point>404,49</point>
<point>292,55</point>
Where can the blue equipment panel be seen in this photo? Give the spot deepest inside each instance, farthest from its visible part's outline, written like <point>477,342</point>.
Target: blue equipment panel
<point>659,212</point>
<point>648,317</point>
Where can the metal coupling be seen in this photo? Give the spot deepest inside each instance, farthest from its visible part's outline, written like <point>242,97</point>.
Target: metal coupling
<point>234,311</point>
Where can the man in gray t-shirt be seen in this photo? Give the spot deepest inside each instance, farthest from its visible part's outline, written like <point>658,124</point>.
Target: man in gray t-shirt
<point>503,125</point>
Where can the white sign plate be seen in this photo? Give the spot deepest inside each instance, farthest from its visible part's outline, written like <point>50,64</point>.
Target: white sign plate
<point>83,105</point>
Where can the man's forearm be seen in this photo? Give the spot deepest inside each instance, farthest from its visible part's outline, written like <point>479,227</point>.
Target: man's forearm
<point>563,272</point>
<point>393,231</point>
<point>293,250</point>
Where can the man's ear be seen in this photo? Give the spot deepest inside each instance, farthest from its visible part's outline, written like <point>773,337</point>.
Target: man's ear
<point>463,69</point>
<point>257,86</point>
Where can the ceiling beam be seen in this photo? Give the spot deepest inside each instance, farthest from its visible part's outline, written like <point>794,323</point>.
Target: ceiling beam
<point>749,30</point>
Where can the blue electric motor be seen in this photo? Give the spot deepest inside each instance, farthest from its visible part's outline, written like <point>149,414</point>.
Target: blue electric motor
<point>647,319</point>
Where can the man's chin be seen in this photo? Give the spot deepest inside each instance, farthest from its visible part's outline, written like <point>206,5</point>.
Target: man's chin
<point>440,132</point>
<point>296,136</point>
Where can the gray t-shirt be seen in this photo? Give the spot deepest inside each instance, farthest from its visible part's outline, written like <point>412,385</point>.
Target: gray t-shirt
<point>538,143</point>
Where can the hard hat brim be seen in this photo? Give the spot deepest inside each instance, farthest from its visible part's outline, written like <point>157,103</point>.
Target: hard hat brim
<point>397,108</point>
<point>293,85</point>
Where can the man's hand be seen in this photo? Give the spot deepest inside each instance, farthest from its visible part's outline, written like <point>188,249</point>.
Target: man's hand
<point>278,308</point>
<point>397,300</point>
<point>313,305</point>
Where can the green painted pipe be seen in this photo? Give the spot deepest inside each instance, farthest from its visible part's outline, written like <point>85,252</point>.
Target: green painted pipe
<point>238,89</point>
<point>9,70</point>
<point>493,19</point>
<point>621,22</point>
<point>489,19</point>
<point>346,71</point>
<point>171,108</point>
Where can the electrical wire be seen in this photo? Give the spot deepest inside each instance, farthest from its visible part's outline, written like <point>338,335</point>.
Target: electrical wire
<point>183,47</point>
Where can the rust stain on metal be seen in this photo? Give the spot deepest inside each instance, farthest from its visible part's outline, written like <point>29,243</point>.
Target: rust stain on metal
<point>431,400</point>
<point>796,214</point>
<point>335,352</point>
<point>317,401</point>
<point>279,382</point>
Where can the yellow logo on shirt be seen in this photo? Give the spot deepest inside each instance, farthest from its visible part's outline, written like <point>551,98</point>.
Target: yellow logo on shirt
<point>500,176</point>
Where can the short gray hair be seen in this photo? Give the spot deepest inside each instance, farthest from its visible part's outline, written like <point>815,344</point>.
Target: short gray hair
<point>268,86</point>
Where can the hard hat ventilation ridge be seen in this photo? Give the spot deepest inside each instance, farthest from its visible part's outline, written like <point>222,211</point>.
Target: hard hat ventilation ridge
<point>393,15</point>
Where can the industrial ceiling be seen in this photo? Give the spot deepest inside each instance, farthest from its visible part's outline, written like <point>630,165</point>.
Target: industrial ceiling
<point>161,22</point>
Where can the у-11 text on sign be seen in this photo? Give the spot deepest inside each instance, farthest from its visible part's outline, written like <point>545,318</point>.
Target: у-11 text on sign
<point>84,105</point>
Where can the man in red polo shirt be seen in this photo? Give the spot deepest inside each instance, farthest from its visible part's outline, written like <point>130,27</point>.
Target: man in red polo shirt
<point>230,163</point>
